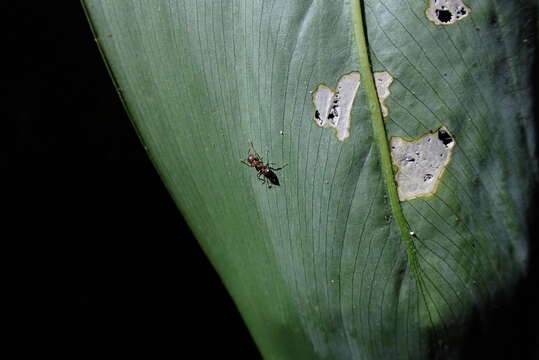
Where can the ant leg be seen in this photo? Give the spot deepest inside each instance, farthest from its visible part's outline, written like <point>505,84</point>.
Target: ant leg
<point>245,162</point>
<point>281,166</point>
<point>254,150</point>
<point>264,180</point>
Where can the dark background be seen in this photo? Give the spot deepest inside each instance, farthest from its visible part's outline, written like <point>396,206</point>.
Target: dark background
<point>97,210</point>
<point>107,225</point>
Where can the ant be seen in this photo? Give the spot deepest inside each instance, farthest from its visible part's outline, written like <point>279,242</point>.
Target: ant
<point>265,170</point>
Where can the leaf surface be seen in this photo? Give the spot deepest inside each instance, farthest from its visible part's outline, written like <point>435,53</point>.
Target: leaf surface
<point>330,264</point>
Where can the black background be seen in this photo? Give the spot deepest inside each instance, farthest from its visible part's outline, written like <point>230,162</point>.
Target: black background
<point>94,201</point>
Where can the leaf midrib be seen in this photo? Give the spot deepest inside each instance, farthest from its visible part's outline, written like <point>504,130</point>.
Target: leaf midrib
<point>379,133</point>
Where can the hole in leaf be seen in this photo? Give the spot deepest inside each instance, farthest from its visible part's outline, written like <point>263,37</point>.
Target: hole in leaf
<point>446,12</point>
<point>445,137</point>
<point>444,15</point>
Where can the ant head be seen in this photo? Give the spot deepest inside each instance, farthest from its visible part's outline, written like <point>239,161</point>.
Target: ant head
<point>251,158</point>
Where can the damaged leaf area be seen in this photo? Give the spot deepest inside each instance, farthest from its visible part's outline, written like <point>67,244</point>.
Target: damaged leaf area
<point>446,12</point>
<point>383,80</point>
<point>333,107</point>
<point>420,163</point>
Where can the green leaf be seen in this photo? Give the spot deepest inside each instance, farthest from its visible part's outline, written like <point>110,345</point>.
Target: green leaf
<point>331,264</point>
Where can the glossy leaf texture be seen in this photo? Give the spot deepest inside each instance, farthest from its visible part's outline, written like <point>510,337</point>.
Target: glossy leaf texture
<point>318,266</point>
